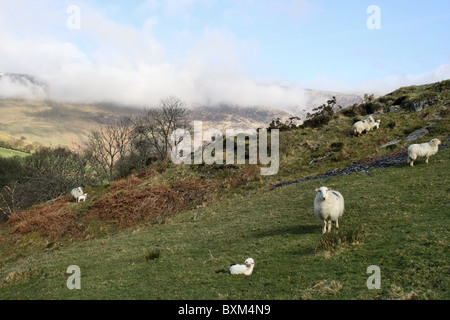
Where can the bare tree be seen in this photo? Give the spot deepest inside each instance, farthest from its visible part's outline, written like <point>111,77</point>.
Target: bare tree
<point>7,205</point>
<point>153,129</point>
<point>106,145</point>
<point>49,173</point>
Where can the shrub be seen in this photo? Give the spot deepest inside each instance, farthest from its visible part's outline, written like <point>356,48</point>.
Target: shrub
<point>350,111</point>
<point>322,115</point>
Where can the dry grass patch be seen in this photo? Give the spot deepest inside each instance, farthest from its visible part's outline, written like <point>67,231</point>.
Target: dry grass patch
<point>150,204</point>
<point>54,221</point>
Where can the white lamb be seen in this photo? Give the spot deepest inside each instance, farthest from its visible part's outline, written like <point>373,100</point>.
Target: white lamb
<point>246,268</point>
<point>376,124</point>
<point>426,149</point>
<point>328,205</point>
<point>82,197</point>
<point>365,125</point>
<point>76,193</point>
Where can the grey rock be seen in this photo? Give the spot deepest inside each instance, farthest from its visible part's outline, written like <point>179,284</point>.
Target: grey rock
<point>394,108</point>
<point>390,143</point>
<point>418,105</point>
<point>388,160</point>
<point>417,134</point>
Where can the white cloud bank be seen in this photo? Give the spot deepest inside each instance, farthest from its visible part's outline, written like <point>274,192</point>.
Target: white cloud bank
<point>117,63</point>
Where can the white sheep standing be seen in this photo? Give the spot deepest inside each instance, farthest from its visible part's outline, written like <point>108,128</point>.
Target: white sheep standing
<point>328,205</point>
<point>246,268</point>
<point>365,125</point>
<point>76,193</point>
<point>82,197</point>
<point>426,149</point>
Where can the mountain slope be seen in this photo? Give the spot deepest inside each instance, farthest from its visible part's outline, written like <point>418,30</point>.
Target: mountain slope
<point>184,257</point>
<point>395,218</point>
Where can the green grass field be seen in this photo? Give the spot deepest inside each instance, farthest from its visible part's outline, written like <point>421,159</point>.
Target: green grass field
<point>8,153</point>
<point>404,212</point>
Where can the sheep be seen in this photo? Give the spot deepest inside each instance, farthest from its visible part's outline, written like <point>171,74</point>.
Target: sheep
<point>246,268</point>
<point>365,125</point>
<point>376,125</point>
<point>76,193</point>
<point>328,205</point>
<point>82,197</point>
<point>426,149</point>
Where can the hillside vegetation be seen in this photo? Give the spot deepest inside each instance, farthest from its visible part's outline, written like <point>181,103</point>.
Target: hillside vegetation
<point>170,231</point>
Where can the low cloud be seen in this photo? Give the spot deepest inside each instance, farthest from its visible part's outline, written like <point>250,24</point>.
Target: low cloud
<point>123,65</point>
<point>384,85</point>
<point>106,61</point>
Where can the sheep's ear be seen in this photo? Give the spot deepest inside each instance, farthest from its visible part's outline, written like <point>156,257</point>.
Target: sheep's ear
<point>328,189</point>
<point>317,190</point>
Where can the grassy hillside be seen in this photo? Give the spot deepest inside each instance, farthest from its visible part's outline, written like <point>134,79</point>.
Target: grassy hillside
<point>51,123</point>
<point>403,210</point>
<point>171,231</point>
<point>8,153</point>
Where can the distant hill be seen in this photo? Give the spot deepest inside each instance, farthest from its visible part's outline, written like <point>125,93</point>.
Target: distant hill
<point>319,97</point>
<point>7,137</point>
<point>28,111</point>
<point>235,117</point>
<point>51,123</point>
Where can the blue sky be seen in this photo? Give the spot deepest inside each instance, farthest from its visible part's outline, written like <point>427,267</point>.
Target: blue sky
<point>210,50</point>
<point>324,38</point>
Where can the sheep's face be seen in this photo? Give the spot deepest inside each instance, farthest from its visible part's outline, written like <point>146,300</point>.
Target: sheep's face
<point>323,193</point>
<point>249,262</point>
<point>435,142</point>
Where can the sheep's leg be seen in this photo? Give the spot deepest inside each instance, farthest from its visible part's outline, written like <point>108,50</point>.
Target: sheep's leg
<point>426,161</point>
<point>324,227</point>
<point>337,224</point>
<point>329,225</point>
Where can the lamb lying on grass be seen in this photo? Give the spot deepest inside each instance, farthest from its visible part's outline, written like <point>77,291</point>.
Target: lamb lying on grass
<point>246,268</point>
<point>426,149</point>
<point>328,205</point>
